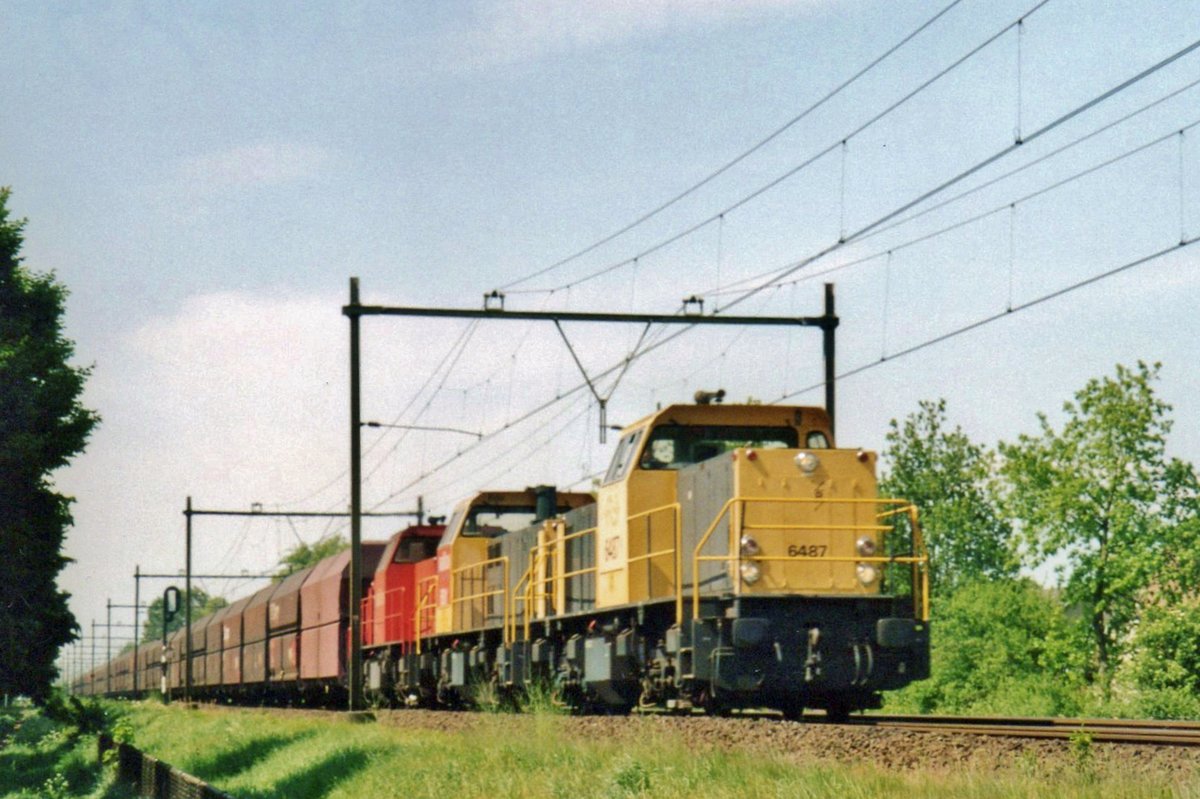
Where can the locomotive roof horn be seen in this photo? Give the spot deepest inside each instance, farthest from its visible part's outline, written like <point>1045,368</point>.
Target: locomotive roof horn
<point>703,397</point>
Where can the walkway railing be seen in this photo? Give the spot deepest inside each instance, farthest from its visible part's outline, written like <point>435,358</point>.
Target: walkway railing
<point>735,510</point>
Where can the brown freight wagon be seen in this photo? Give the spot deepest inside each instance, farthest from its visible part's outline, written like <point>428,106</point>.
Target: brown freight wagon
<point>89,683</point>
<point>175,654</point>
<point>324,614</point>
<point>283,628</point>
<point>119,678</point>
<point>231,644</point>
<point>129,666</point>
<point>199,646</point>
<point>149,662</point>
<point>213,635</point>
<point>254,638</point>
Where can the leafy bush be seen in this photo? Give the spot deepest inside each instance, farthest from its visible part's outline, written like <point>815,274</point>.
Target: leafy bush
<point>1167,649</point>
<point>87,716</point>
<point>56,787</point>
<point>1044,694</point>
<point>1003,646</point>
<point>1168,703</point>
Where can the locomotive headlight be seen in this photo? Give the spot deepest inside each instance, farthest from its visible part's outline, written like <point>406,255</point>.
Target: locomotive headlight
<point>750,573</point>
<point>808,462</point>
<point>750,547</point>
<point>867,574</point>
<point>865,546</point>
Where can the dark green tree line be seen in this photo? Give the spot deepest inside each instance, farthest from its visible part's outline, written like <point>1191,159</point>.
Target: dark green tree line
<point>42,426</point>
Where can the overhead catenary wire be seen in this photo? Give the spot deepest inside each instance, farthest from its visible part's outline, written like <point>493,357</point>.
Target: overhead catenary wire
<point>529,447</point>
<point>739,286</point>
<point>504,453</point>
<point>969,171</point>
<point>1009,205</point>
<point>432,375</point>
<point>464,339</point>
<point>1055,152</point>
<point>793,268</point>
<point>1182,191</point>
<point>987,320</point>
<point>795,170</point>
<point>739,158</point>
<point>1062,120</point>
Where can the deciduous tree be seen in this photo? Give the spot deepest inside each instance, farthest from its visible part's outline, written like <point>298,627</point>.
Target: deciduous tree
<point>42,426</point>
<point>1092,495</point>
<point>950,479</point>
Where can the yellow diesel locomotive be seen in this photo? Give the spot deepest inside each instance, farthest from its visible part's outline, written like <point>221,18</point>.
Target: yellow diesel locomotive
<point>732,557</point>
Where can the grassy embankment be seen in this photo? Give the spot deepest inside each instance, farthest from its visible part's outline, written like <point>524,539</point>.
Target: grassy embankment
<point>255,755</point>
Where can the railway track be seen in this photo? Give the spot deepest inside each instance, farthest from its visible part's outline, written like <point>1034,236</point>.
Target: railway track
<point>1123,731</point>
<point>1157,733</point>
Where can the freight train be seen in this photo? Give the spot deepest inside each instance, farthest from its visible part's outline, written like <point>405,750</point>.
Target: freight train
<point>730,558</point>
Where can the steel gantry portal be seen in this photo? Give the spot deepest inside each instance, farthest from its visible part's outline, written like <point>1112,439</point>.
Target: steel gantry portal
<point>355,310</point>
<point>257,510</point>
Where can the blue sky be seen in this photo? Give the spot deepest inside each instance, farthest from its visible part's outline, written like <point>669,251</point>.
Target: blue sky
<point>205,179</point>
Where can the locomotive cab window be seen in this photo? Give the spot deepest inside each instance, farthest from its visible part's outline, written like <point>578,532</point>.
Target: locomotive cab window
<point>490,522</point>
<point>414,549</point>
<point>623,457</point>
<point>816,439</point>
<point>674,446</point>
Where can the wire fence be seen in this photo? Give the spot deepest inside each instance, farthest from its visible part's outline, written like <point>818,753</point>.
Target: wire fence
<point>152,777</point>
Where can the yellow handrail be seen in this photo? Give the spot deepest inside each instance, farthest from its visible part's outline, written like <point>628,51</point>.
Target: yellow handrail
<point>511,634</point>
<point>735,508</point>
<point>677,549</point>
<point>530,587</point>
<point>482,567</point>
<point>677,525</point>
<point>545,552</point>
<point>426,589</point>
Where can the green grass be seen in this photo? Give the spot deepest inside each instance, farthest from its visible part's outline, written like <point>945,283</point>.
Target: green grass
<point>256,755</point>
<point>48,759</point>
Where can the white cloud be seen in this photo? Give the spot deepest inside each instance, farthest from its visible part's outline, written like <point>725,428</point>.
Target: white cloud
<point>251,385</point>
<point>262,164</point>
<point>506,32</point>
<point>251,392</point>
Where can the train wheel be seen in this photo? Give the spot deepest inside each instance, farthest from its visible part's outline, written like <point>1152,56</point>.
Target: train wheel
<point>793,711</point>
<point>838,713</point>
<point>714,706</point>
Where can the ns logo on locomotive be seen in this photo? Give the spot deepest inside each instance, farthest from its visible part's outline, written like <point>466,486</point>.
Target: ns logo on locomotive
<point>732,557</point>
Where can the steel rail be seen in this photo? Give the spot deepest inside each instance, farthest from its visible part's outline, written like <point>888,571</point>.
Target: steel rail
<point>1125,731</point>
<point>1035,721</point>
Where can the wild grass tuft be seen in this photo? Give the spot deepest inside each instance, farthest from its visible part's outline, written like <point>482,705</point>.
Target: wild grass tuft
<point>540,697</point>
<point>631,778</point>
